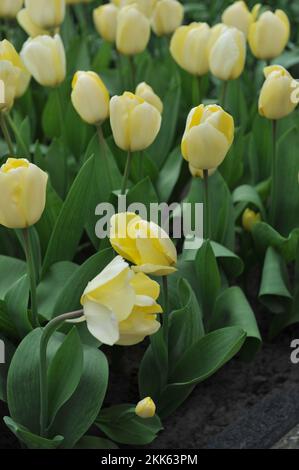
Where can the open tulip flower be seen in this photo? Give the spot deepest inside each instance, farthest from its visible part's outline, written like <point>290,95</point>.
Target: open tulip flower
<point>143,243</point>
<point>120,306</point>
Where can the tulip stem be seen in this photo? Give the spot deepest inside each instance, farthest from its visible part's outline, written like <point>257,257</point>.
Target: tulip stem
<point>6,134</point>
<point>31,276</point>
<point>223,94</point>
<point>133,72</point>
<point>126,173</point>
<point>207,222</point>
<point>274,136</point>
<point>196,90</point>
<point>165,315</point>
<point>47,332</point>
<point>18,136</point>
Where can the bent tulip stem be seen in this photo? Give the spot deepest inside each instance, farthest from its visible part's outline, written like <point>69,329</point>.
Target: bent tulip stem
<point>207,223</point>
<point>126,173</point>
<point>31,276</point>
<point>165,315</point>
<point>49,329</point>
<point>6,134</point>
<point>274,137</point>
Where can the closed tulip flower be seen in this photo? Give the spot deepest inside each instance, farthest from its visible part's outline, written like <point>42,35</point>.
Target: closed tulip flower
<point>90,97</point>
<point>44,57</point>
<point>227,54</point>
<point>276,95</point>
<point>105,21</point>
<point>28,25</point>
<point>208,136</point>
<point>249,219</point>
<point>46,14</point>
<point>189,49</point>
<point>10,8</point>
<point>119,306</point>
<point>239,16</point>
<point>167,17</point>
<point>134,122</point>
<point>143,243</point>
<point>133,31</point>
<point>146,408</point>
<point>9,76</point>
<point>147,93</point>
<point>8,52</point>
<point>145,6</point>
<point>23,193</point>
<point>269,35</point>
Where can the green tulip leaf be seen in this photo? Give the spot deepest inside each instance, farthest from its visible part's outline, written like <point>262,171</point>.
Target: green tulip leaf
<point>14,269</point>
<point>16,300</point>
<point>94,442</point>
<point>32,441</point>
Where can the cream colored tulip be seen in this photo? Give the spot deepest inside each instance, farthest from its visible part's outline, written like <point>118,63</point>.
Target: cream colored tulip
<point>208,136</point>
<point>189,48</point>
<point>10,8</point>
<point>119,306</point>
<point>90,97</point>
<point>145,6</point>
<point>8,52</point>
<point>23,193</point>
<point>143,243</point>
<point>276,97</point>
<point>269,35</point>
<point>46,14</point>
<point>146,92</point>
<point>28,25</point>
<point>167,17</point>
<point>9,78</point>
<point>44,57</point>
<point>227,54</point>
<point>134,122</point>
<point>239,16</point>
<point>146,408</point>
<point>133,31</point>
<point>105,21</point>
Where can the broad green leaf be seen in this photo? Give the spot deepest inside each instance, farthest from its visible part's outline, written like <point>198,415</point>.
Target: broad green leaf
<point>265,236</point>
<point>51,286</point>
<point>121,424</point>
<point>16,300</point>
<point>32,441</point>
<point>14,269</point>
<point>142,193</point>
<point>94,442</point>
<point>249,195</point>
<point>260,152</point>
<point>233,309</point>
<point>274,292</point>
<point>169,174</point>
<point>9,350</point>
<point>232,166</point>
<point>65,372</point>
<point>56,165</point>
<point>69,225</point>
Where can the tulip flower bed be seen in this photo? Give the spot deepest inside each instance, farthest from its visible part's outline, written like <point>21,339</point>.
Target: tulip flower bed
<point>149,215</point>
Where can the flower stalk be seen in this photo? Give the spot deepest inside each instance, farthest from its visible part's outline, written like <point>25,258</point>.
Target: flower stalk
<point>31,275</point>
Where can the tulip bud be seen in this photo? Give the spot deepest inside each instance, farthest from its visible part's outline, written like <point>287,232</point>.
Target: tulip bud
<point>46,14</point>
<point>90,97</point>
<point>145,6</point>
<point>227,53</point>
<point>133,31</point>
<point>146,92</point>
<point>208,136</point>
<point>134,122</point>
<point>8,52</point>
<point>276,97</point>
<point>249,219</point>
<point>269,35</point>
<point>239,16</point>
<point>189,49</point>
<point>167,17</point>
<point>44,57</point>
<point>9,76</point>
<point>23,193</point>
<point>120,306</point>
<point>105,20</point>
<point>10,8</point>
<point>198,173</point>
<point>143,243</point>
<point>146,408</point>
<point>27,24</point>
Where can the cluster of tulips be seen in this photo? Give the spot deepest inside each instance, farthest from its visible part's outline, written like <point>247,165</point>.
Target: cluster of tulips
<point>121,306</point>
